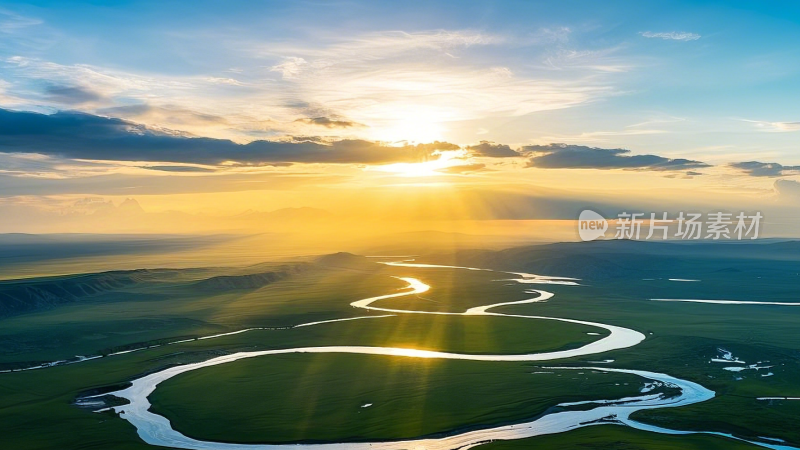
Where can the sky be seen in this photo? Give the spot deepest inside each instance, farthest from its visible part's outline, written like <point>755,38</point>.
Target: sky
<point>402,111</point>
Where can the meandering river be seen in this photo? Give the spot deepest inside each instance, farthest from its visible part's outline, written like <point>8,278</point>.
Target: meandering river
<point>157,430</point>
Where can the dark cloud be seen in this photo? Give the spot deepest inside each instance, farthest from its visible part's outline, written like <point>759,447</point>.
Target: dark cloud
<point>563,156</point>
<point>492,150</point>
<point>761,169</point>
<point>179,169</point>
<point>85,136</point>
<point>330,123</point>
<point>70,95</point>
<point>301,138</point>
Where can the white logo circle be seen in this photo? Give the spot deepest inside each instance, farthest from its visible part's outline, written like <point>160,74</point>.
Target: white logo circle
<point>591,225</point>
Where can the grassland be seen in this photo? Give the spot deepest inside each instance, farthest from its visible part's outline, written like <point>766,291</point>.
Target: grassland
<point>319,397</point>
<point>323,293</point>
<point>291,398</point>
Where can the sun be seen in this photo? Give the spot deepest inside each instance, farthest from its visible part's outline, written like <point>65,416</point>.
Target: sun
<point>446,159</point>
<point>412,130</point>
<point>409,123</point>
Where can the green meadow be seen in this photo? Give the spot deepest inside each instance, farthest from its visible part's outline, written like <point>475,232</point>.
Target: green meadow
<point>322,397</point>
<point>304,398</point>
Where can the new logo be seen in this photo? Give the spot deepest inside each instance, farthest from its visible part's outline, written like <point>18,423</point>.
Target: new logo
<point>591,225</point>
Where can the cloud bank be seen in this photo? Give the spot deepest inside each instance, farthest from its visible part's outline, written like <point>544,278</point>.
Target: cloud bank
<point>328,122</point>
<point>81,136</point>
<point>492,150</point>
<point>85,136</point>
<point>563,156</point>
<point>762,169</point>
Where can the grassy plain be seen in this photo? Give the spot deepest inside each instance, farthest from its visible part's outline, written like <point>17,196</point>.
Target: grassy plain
<point>319,397</point>
<point>290,398</point>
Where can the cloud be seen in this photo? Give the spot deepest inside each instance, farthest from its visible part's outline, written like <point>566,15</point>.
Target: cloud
<point>492,150</point>
<point>672,35</point>
<point>103,81</point>
<point>180,169</point>
<point>436,146</point>
<point>85,136</point>
<point>436,76</point>
<point>762,169</point>
<point>603,60</point>
<point>788,189</point>
<point>563,156</point>
<point>775,126</point>
<point>384,44</point>
<point>224,80</point>
<point>330,123</point>
<point>178,102</point>
<point>389,81</point>
<point>463,169</point>
<point>71,95</point>
<point>10,22</point>
<point>143,112</point>
<point>602,136</point>
<point>290,67</point>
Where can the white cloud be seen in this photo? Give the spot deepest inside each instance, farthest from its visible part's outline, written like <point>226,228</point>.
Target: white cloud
<point>10,22</point>
<point>382,78</point>
<point>600,136</point>
<point>672,35</point>
<point>222,80</point>
<point>774,126</point>
<point>104,81</point>
<point>388,81</point>
<point>381,45</point>
<point>290,67</point>
<point>604,60</point>
<point>191,95</point>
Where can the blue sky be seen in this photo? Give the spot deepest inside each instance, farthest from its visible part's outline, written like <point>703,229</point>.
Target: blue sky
<point>712,83</point>
<point>739,62</point>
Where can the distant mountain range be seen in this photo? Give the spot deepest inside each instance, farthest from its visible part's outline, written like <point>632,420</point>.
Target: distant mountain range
<point>599,260</point>
<point>28,295</point>
<point>625,259</point>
